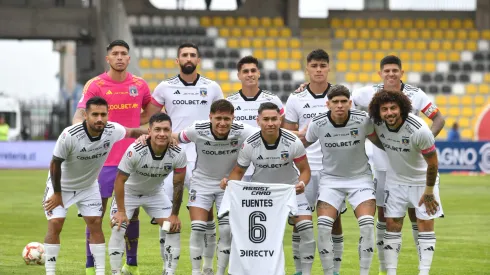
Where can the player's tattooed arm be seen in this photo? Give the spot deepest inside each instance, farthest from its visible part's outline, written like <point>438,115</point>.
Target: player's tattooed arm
<point>438,122</point>
<point>178,192</point>
<point>119,182</point>
<point>376,141</point>
<point>78,116</point>
<point>55,173</point>
<point>432,167</point>
<point>135,132</point>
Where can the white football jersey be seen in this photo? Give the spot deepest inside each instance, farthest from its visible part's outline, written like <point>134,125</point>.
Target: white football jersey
<point>186,103</point>
<point>420,103</point>
<point>258,214</point>
<point>146,170</point>
<point>405,147</point>
<point>83,156</point>
<point>274,163</point>
<point>344,154</point>
<point>301,107</point>
<point>215,157</point>
<point>246,109</point>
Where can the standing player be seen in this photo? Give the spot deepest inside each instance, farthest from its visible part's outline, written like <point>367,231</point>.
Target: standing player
<point>301,107</point>
<point>412,180</point>
<point>139,183</point>
<point>78,157</point>
<point>126,95</point>
<point>217,142</point>
<point>187,98</point>
<point>345,174</point>
<point>274,152</point>
<point>391,72</point>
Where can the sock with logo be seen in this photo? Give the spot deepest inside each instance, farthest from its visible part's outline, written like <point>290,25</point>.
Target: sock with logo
<point>392,246</point>
<point>209,245</point>
<point>307,245</point>
<point>224,244</point>
<point>325,243</point>
<point>338,250</point>
<point>296,256</point>
<point>380,232</point>
<point>366,243</point>
<point>427,245</point>
<point>415,234</point>
<point>172,252</point>
<point>132,235</point>
<point>51,252</point>
<point>163,235</point>
<point>98,253</point>
<point>116,248</point>
<point>196,244</point>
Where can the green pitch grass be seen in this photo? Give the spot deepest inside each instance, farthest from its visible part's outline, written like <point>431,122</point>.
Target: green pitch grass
<point>463,242</point>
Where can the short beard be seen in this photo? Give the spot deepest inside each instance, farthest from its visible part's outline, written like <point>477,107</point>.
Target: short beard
<point>187,69</point>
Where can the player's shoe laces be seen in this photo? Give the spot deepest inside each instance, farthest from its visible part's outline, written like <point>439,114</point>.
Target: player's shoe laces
<point>207,271</point>
<point>90,271</point>
<point>130,270</point>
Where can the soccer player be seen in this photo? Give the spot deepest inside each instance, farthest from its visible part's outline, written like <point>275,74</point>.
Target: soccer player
<point>274,152</point>
<point>413,178</point>
<point>345,174</point>
<point>301,107</point>
<point>187,98</point>
<point>126,95</point>
<point>78,157</point>
<point>217,142</point>
<point>391,72</point>
<point>139,183</point>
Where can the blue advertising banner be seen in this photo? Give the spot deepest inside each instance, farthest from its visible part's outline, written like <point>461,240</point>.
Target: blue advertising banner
<point>26,154</point>
<point>463,156</point>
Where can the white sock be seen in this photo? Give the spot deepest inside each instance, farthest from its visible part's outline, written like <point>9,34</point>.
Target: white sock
<point>51,252</point>
<point>296,256</point>
<point>415,234</point>
<point>338,250</point>
<point>163,235</point>
<point>172,252</point>
<point>325,244</point>
<point>427,245</point>
<point>224,245</point>
<point>366,243</point>
<point>117,248</point>
<point>209,245</point>
<point>392,246</point>
<point>98,252</point>
<point>307,245</point>
<point>380,232</point>
<point>196,245</point>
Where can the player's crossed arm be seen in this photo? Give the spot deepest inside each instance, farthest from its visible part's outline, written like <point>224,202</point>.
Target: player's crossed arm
<point>376,141</point>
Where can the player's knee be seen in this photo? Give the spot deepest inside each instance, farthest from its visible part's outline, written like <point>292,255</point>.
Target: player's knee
<point>394,224</point>
<point>425,225</point>
<point>55,226</point>
<point>94,224</point>
<point>210,215</point>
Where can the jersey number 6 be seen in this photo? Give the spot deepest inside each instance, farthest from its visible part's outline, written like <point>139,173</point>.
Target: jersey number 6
<point>257,231</point>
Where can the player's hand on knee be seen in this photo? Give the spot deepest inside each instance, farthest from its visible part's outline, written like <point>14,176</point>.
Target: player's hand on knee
<point>120,218</point>
<point>224,183</point>
<point>300,187</point>
<point>174,223</point>
<point>142,139</point>
<point>301,87</point>
<point>429,200</point>
<point>53,202</point>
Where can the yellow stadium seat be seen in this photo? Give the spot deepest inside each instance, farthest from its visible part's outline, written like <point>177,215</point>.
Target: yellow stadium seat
<point>341,66</point>
<point>354,67</point>
<point>170,63</point>
<point>285,32</point>
<point>389,34</point>
<point>368,56</point>
<point>294,43</point>
<point>144,63</point>
<point>229,21</point>
<point>259,54</point>
<point>265,22</point>
<point>278,22</point>
<point>459,45</point>
<point>236,32</point>
<point>233,43</point>
<point>152,85</point>
<point>359,23</point>
<point>158,63</point>
<point>217,21</point>
<point>450,35</point>
<point>343,55</point>
<point>410,45</point>
<point>413,34</point>
<point>425,34</point>
<point>434,45</point>
<point>336,23</point>
<point>375,77</point>
<point>467,100</point>
<point>283,54</point>
<point>226,87</point>
<point>401,34</point>
<point>405,56</point>
<point>282,43</point>
<point>282,65</point>
<point>361,44</point>
<point>253,21</point>
<point>432,23</point>
<point>454,100</point>
<point>363,77</point>
<point>417,67</point>
<point>210,75</point>
<point>367,67</point>
<point>442,110</point>
<point>464,122</point>
<point>372,23</point>
<point>270,43</point>
<point>261,32</point>
<point>421,46</point>
<point>384,23</point>
<point>352,34</point>
<point>429,56</point>
<point>273,33</point>
<point>245,43</point>
<point>442,134</point>
<point>386,45</point>
<point>348,23</point>
<point>441,56</point>
<point>249,32</point>
<point>484,89</point>
<point>417,56</point>
<point>471,89</point>
<point>438,35</point>
<point>377,34</point>
<point>454,111</point>
<point>429,67</point>
<point>468,24</point>
<point>355,56</point>
<point>471,45</point>
<point>258,43</point>
<point>348,45</point>
<point>148,76</point>
<point>398,45</point>
<point>296,54</point>
<point>419,23</point>
<point>454,56</point>
<point>224,32</point>
<point>364,34</point>
<point>441,100</point>
<point>271,54</point>
<point>407,23</point>
<point>462,34</point>
<point>467,134</point>
<point>444,23</point>
<point>487,78</point>
<point>396,23</point>
<point>205,21</point>
<point>241,21</point>
<point>351,77</point>
<point>447,45</point>
<point>456,23</point>
<point>407,67</point>
<point>474,35</point>
<point>379,55</point>
<point>373,45</point>
<point>223,76</point>
<point>479,100</point>
<point>295,65</point>
<point>235,86</point>
<point>160,76</point>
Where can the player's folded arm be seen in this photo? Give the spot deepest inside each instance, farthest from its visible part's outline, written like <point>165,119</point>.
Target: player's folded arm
<point>373,137</point>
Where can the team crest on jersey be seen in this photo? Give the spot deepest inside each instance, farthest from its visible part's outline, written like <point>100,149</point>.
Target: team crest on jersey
<point>234,142</point>
<point>107,144</point>
<point>192,195</point>
<point>167,167</point>
<point>203,92</point>
<point>284,155</point>
<point>133,91</point>
<point>354,132</point>
<point>129,154</point>
<point>405,141</point>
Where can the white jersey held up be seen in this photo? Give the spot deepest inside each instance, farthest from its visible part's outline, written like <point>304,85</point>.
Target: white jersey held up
<point>258,212</point>
<point>421,103</point>
<point>301,108</point>
<point>186,103</point>
<point>83,155</point>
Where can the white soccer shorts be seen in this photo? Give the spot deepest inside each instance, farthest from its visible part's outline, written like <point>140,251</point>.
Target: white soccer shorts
<point>379,185</point>
<point>304,208</point>
<point>311,190</point>
<point>400,197</point>
<point>204,200</point>
<point>156,206</point>
<point>355,196</point>
<point>88,202</point>
<point>168,182</point>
